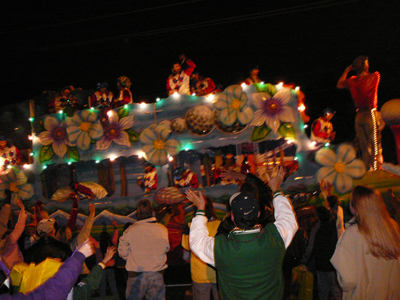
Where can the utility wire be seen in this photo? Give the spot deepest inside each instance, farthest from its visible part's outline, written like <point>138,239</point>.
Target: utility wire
<point>252,16</point>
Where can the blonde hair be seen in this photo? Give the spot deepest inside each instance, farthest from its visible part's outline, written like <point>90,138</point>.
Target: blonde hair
<point>381,232</point>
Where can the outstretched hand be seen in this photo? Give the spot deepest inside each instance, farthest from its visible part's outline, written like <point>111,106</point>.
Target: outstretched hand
<point>326,188</point>
<point>276,180</point>
<point>92,209</point>
<point>232,175</point>
<point>109,254</point>
<point>198,199</point>
<point>86,248</point>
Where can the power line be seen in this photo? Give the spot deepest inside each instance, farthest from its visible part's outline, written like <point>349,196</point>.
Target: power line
<point>102,17</point>
<point>248,17</point>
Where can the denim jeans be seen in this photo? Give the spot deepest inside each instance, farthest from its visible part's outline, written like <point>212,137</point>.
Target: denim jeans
<point>327,282</point>
<point>148,285</point>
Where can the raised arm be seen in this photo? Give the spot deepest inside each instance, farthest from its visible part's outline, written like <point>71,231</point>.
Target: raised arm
<point>341,84</point>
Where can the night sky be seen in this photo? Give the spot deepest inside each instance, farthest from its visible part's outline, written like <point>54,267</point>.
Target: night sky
<point>47,45</point>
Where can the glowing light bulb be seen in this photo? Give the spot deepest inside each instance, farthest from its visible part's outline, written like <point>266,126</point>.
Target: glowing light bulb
<point>301,108</point>
<point>210,97</point>
<point>109,113</point>
<point>143,104</point>
<point>243,85</point>
<point>69,162</point>
<point>280,84</point>
<point>97,161</point>
<point>170,158</point>
<point>61,112</point>
<point>327,144</point>
<point>31,154</point>
<point>126,106</point>
<point>305,126</point>
<point>112,157</point>
<point>313,143</point>
<point>30,137</point>
<point>297,88</point>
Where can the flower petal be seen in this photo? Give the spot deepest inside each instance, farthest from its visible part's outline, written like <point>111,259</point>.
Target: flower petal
<point>103,144</point>
<point>159,157</point>
<point>345,153</point>
<point>325,157</point>
<point>286,114</point>
<point>45,138</point>
<point>126,122</point>
<point>259,99</point>
<point>172,146</point>
<point>326,173</point>
<point>96,131</point>
<point>83,141</point>
<point>245,116</point>
<point>73,133</point>
<point>123,139</point>
<point>147,136</point>
<point>228,116</point>
<point>273,122</point>
<point>8,176</point>
<point>356,169</point>
<point>343,183</point>
<point>259,118</point>
<point>221,102</point>
<point>60,149</point>
<point>162,131</point>
<point>50,123</point>
<point>283,96</point>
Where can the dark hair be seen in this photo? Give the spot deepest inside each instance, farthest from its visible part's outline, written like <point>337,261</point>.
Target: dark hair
<point>60,233</point>
<point>333,200</point>
<point>144,209</point>
<point>105,241</point>
<point>47,247</point>
<point>323,214</point>
<point>246,223</point>
<point>359,63</point>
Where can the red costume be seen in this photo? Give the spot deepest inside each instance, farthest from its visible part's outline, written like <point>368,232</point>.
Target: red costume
<point>9,156</point>
<point>99,98</point>
<point>204,87</point>
<point>125,97</point>
<point>188,178</point>
<point>321,131</point>
<point>180,82</point>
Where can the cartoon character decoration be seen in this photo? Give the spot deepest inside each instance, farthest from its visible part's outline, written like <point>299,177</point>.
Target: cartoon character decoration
<point>200,86</point>
<point>149,181</point>
<point>179,80</point>
<point>9,154</point>
<point>65,101</point>
<point>322,128</point>
<point>253,76</point>
<point>185,178</point>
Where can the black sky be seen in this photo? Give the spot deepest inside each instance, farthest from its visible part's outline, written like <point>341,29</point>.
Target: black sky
<point>47,45</point>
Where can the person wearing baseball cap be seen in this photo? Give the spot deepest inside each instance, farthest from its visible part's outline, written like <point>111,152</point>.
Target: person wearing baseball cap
<point>249,259</point>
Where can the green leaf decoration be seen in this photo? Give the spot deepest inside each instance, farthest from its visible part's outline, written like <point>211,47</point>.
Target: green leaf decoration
<point>123,112</point>
<point>46,153</point>
<point>260,132</point>
<point>266,88</point>
<point>73,153</point>
<point>133,135</point>
<point>286,130</point>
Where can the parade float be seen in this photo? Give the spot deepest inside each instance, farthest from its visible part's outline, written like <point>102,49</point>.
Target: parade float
<point>246,128</point>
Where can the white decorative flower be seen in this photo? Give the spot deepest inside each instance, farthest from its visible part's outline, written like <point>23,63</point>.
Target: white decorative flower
<point>56,135</point>
<point>83,127</point>
<point>340,168</point>
<point>114,132</point>
<point>15,180</point>
<point>157,146</point>
<point>272,111</point>
<point>232,106</point>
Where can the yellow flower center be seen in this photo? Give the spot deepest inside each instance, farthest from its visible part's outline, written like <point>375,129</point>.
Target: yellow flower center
<point>235,104</point>
<point>112,132</point>
<point>13,187</point>
<point>59,133</point>
<point>85,126</point>
<point>339,167</point>
<point>158,144</point>
<point>272,106</point>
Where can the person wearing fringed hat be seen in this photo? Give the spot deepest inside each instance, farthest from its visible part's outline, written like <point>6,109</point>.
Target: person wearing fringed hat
<point>322,128</point>
<point>125,94</point>
<point>9,154</point>
<point>102,97</point>
<point>150,179</point>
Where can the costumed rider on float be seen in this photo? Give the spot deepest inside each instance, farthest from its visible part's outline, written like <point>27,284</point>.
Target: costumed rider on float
<point>179,80</point>
<point>185,178</point>
<point>322,129</point>
<point>149,181</point>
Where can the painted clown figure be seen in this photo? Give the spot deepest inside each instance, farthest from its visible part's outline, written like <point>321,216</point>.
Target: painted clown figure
<point>9,155</point>
<point>179,80</point>
<point>150,179</point>
<point>102,97</point>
